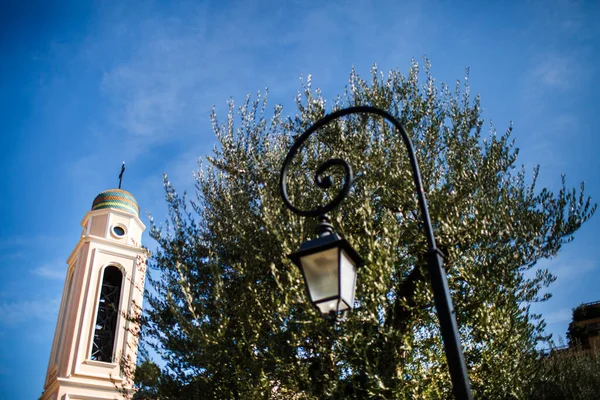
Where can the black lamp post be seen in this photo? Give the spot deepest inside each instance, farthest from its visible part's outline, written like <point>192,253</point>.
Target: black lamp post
<point>329,263</point>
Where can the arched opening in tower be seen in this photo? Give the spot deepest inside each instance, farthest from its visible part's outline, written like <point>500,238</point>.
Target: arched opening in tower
<point>105,330</point>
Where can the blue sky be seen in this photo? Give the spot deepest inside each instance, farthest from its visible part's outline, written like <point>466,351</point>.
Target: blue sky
<point>86,85</point>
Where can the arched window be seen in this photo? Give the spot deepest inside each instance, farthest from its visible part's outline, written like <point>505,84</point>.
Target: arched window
<point>105,330</point>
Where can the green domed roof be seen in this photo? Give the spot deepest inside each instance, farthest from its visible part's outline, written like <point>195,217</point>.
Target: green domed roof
<point>117,199</point>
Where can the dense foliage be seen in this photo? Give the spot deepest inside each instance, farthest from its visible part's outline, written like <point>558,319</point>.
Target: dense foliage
<point>572,374</point>
<point>228,312</point>
<point>586,311</point>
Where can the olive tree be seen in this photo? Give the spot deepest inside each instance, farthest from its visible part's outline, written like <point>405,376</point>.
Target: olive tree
<point>228,314</point>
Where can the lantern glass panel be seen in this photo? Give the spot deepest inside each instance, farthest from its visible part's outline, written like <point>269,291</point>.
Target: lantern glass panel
<point>347,278</point>
<point>321,274</point>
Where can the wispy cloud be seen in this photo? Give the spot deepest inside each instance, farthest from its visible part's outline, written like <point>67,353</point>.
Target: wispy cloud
<point>163,90</point>
<point>85,169</point>
<point>20,247</point>
<point>564,18</point>
<point>554,71</point>
<point>35,241</point>
<point>558,316</point>
<point>169,67</point>
<point>571,274</point>
<point>569,271</point>
<point>55,271</point>
<point>14,313</point>
<point>180,171</point>
<point>549,73</point>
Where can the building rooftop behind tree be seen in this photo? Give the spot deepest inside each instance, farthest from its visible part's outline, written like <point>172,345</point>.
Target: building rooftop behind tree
<point>584,329</point>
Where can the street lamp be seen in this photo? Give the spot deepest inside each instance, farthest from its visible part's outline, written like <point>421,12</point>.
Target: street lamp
<point>329,263</point>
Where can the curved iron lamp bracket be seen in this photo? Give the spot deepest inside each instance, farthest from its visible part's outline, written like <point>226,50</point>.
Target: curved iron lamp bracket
<point>325,181</point>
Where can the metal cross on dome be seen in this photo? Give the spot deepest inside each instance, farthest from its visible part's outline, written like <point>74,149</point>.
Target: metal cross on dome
<point>121,174</point>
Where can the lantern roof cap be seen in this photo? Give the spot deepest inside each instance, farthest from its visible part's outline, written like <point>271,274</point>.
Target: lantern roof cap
<point>326,242</point>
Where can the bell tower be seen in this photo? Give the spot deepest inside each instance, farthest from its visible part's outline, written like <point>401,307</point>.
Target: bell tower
<point>96,334</point>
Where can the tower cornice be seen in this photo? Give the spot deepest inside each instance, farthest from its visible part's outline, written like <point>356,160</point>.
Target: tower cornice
<point>103,211</point>
<point>91,238</point>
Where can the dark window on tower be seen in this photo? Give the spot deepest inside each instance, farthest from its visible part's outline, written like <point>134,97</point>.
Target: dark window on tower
<point>108,314</point>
